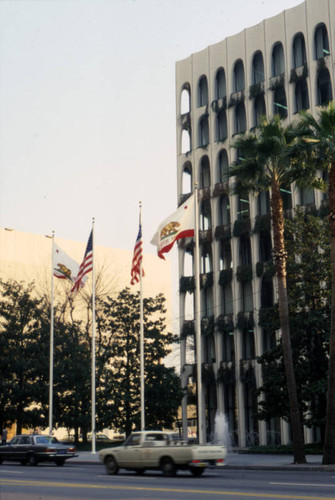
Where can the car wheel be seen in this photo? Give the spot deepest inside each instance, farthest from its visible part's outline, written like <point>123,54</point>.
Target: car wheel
<point>32,460</point>
<point>60,462</point>
<point>23,462</point>
<point>111,466</point>
<point>168,467</point>
<point>196,471</point>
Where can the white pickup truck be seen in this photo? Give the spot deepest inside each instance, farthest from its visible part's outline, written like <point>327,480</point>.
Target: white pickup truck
<point>161,450</point>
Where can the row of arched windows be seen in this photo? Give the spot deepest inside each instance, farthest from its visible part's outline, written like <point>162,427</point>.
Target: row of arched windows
<point>280,107</point>
<point>321,49</point>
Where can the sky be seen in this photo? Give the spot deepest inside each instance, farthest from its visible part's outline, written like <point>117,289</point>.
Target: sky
<point>87,109</point>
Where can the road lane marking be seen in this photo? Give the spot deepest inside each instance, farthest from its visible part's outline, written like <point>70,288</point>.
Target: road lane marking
<point>9,471</point>
<point>332,485</point>
<point>18,482</point>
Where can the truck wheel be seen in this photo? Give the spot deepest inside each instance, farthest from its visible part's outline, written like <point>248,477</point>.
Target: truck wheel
<point>111,466</point>
<point>196,471</point>
<point>168,467</point>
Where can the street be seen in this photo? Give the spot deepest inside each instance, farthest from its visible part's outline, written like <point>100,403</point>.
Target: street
<point>87,481</point>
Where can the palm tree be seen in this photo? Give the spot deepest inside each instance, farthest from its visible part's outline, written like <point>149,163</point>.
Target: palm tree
<point>265,164</point>
<point>318,153</point>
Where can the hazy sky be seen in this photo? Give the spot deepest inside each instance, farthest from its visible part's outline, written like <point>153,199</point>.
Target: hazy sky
<point>87,109</point>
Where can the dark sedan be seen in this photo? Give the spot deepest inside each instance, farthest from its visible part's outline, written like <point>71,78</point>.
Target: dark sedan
<point>32,449</point>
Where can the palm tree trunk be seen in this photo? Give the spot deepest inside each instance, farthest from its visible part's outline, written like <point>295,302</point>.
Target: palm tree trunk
<point>329,445</point>
<point>280,261</point>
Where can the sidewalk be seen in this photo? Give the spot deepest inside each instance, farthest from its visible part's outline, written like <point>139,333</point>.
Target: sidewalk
<point>249,461</point>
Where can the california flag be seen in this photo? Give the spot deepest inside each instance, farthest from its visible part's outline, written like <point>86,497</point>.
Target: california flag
<point>64,267</point>
<point>178,225</point>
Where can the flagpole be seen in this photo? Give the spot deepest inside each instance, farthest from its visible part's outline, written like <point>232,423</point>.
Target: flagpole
<point>51,360</point>
<point>142,339</point>
<point>93,345</point>
<point>197,317</point>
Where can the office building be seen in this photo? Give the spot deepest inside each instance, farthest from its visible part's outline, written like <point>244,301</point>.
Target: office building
<point>282,65</point>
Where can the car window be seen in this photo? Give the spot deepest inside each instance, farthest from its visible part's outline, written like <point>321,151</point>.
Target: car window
<point>156,437</point>
<point>25,440</point>
<point>15,440</point>
<point>133,440</point>
<point>42,440</point>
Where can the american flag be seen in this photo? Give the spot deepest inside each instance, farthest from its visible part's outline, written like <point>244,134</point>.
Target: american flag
<point>86,266</point>
<point>137,259</point>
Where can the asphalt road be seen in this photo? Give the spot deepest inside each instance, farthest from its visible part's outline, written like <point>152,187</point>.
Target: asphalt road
<point>88,481</point>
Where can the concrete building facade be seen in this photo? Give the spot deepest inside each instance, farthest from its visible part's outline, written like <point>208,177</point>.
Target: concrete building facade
<point>280,66</point>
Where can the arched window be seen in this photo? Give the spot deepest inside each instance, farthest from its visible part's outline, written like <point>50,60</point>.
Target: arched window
<point>205,175</point>
<point>265,246</point>
<point>301,96</point>
<point>286,194</point>
<point>206,259</point>
<point>280,102</point>
<point>246,296</point>
<point>185,101</point>
<point>185,141</point>
<point>263,203</point>
<point>207,302</point>
<point>205,215</point>
<point>221,126</point>
<point>243,206</point>
<point>224,210</point>
<point>220,84</point>
<point>324,88</point>
<point>228,349</point>
<point>203,131</point>
<point>258,68</point>
<point>240,118</point>
<point>227,303</point>
<point>226,261</point>
<point>203,91</point>
<point>187,178</point>
<point>299,51</point>
<point>321,42</point>
<point>307,196</point>
<point>245,250</point>
<point>238,83</point>
<point>267,292</point>
<point>259,109</point>
<point>222,167</point>
<point>278,64</point>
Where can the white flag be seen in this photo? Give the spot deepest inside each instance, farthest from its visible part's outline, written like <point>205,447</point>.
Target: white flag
<point>178,225</point>
<point>63,266</point>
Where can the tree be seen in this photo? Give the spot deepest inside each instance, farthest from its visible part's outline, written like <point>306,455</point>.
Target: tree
<point>24,333</point>
<point>72,377</point>
<point>308,271</point>
<point>317,143</point>
<point>119,375</point>
<point>265,164</point>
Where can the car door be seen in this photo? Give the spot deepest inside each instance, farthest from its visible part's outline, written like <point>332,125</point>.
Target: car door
<point>23,447</point>
<point>129,455</point>
<point>10,451</point>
